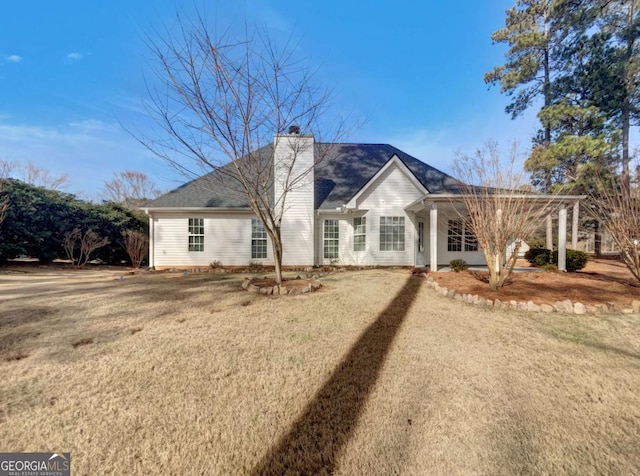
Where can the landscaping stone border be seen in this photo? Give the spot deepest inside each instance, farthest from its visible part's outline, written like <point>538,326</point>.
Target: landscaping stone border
<point>249,285</point>
<point>565,306</point>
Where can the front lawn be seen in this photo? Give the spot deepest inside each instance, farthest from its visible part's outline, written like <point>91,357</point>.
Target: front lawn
<point>374,374</point>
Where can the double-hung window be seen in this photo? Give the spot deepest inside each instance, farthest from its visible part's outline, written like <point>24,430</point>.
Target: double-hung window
<point>196,234</point>
<point>391,233</point>
<point>460,237</point>
<point>359,233</point>
<point>331,236</point>
<point>258,240</point>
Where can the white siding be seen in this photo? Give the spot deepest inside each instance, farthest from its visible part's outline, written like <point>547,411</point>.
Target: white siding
<point>297,229</point>
<point>227,238</point>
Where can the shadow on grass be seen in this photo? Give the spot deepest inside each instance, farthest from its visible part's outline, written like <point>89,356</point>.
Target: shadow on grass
<point>314,441</point>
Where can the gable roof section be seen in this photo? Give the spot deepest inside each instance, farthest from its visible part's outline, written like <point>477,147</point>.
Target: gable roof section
<point>349,167</point>
<point>344,172</point>
<point>390,163</point>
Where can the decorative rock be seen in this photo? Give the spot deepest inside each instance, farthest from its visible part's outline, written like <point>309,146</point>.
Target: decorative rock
<point>283,290</point>
<point>546,308</point>
<point>635,305</point>
<point>443,291</point>
<point>245,283</point>
<point>513,304</point>
<point>458,297</point>
<point>264,290</point>
<point>522,306</point>
<point>592,310</point>
<point>475,299</point>
<point>429,278</point>
<point>532,307</point>
<point>602,307</point>
<point>451,293</point>
<point>579,308</point>
<point>497,303</point>
<point>627,311</point>
<point>563,306</point>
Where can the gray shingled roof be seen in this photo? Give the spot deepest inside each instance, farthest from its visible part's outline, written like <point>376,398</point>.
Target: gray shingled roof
<point>344,170</point>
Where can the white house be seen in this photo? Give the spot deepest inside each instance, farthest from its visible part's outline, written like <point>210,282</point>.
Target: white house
<point>363,204</point>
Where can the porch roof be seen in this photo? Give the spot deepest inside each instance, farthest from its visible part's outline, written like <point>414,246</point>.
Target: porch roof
<point>431,198</point>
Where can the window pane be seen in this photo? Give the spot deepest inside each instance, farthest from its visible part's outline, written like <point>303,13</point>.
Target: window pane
<point>454,236</point>
<point>470,241</point>
<point>331,235</point>
<point>391,233</point>
<point>258,240</point>
<point>359,234</point>
<point>196,234</point>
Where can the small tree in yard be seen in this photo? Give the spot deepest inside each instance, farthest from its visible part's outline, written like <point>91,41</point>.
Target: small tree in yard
<point>221,102</point>
<point>617,206</point>
<point>136,244</point>
<point>130,188</point>
<point>498,209</point>
<point>79,246</point>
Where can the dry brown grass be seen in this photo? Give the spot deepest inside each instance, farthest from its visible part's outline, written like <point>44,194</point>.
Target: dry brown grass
<point>375,374</point>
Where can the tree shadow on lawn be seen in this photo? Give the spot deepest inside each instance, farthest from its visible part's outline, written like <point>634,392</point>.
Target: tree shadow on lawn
<point>314,441</point>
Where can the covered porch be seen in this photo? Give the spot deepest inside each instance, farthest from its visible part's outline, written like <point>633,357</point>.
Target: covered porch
<point>441,235</point>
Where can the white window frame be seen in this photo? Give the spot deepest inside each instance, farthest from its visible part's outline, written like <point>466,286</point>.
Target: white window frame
<point>420,236</point>
<point>392,233</point>
<point>258,239</point>
<point>359,233</point>
<point>331,239</point>
<point>461,237</point>
<point>196,235</point>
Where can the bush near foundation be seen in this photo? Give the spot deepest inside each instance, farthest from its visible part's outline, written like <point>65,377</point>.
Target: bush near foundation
<point>538,256</point>
<point>576,260</point>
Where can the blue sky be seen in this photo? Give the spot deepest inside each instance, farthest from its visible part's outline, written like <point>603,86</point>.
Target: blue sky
<point>72,72</point>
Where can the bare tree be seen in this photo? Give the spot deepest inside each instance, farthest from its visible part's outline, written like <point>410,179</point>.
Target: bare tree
<point>498,211</point>
<point>136,244</point>
<point>78,246</point>
<point>33,175</point>
<point>221,103</point>
<point>130,188</point>
<point>616,205</point>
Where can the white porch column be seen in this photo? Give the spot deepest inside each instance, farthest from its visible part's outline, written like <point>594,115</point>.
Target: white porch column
<point>574,225</point>
<point>151,253</point>
<point>562,238</point>
<point>433,238</point>
<point>549,232</point>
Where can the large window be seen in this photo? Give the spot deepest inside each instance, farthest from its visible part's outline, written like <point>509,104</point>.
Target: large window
<point>359,233</point>
<point>460,237</point>
<point>331,239</point>
<point>391,233</point>
<point>196,234</point>
<point>258,240</point>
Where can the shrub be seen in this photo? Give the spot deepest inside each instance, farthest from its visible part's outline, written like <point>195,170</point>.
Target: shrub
<point>576,260</point>
<point>550,268</point>
<point>458,265</point>
<point>538,256</point>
